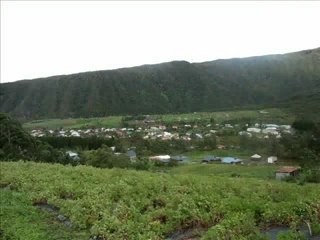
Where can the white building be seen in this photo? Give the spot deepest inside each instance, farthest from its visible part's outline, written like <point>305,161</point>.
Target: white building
<point>73,155</point>
<point>160,158</point>
<point>272,159</point>
<point>254,130</point>
<point>270,130</point>
<point>75,134</point>
<point>255,157</point>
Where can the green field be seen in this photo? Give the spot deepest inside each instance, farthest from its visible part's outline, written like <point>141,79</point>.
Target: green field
<point>226,170</point>
<point>197,156</point>
<point>108,122</point>
<point>273,115</point>
<point>128,204</point>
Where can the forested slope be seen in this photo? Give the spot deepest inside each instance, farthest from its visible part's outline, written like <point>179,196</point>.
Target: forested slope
<point>166,88</point>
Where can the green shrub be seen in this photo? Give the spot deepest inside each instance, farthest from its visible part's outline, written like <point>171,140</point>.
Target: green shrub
<point>291,235</point>
<point>236,226</point>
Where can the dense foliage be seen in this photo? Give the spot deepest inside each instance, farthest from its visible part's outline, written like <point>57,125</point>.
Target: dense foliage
<point>17,214</point>
<point>167,88</point>
<point>16,143</point>
<point>83,143</point>
<point>304,145</point>
<point>126,204</point>
<point>105,158</point>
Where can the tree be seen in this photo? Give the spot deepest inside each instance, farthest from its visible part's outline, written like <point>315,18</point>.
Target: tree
<point>14,140</point>
<point>104,158</point>
<point>303,125</point>
<point>303,146</point>
<point>17,144</point>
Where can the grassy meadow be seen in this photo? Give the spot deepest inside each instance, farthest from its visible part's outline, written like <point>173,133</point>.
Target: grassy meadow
<point>269,115</point>
<point>198,155</point>
<point>272,115</point>
<point>226,170</point>
<point>112,121</point>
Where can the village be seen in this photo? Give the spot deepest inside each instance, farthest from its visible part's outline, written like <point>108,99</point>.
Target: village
<point>185,132</point>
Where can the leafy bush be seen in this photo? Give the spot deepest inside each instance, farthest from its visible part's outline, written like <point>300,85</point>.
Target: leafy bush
<point>16,143</point>
<point>235,226</point>
<point>291,235</point>
<point>104,158</point>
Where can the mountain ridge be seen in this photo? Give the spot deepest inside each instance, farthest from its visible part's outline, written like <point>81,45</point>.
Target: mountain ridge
<point>176,86</point>
<point>155,64</point>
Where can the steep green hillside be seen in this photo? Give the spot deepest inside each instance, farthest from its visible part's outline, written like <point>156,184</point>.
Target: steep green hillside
<point>305,106</point>
<point>125,204</point>
<point>166,88</point>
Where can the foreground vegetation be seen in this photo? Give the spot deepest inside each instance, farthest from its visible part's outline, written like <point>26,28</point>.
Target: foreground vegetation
<point>127,204</point>
<point>21,220</point>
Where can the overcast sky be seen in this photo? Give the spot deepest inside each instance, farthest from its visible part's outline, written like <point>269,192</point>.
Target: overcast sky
<point>40,39</point>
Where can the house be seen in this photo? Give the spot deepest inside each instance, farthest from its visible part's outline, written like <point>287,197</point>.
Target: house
<point>179,158</point>
<point>285,127</point>
<point>73,155</point>
<point>263,112</point>
<point>271,126</point>
<point>160,158</point>
<point>231,160</point>
<point>220,146</point>
<point>254,130</point>
<point>62,133</point>
<point>270,130</point>
<point>210,159</point>
<point>272,159</point>
<point>132,154</point>
<point>244,133</point>
<point>198,135</point>
<point>255,157</point>
<point>162,127</point>
<point>74,133</point>
<point>107,136</point>
<point>166,136</point>
<point>288,171</point>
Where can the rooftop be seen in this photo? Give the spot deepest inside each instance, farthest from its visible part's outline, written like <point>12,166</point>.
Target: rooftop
<point>288,169</point>
<point>230,160</point>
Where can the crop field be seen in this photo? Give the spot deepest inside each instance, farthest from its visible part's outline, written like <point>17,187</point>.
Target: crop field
<point>127,204</point>
<point>272,115</point>
<point>21,220</point>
